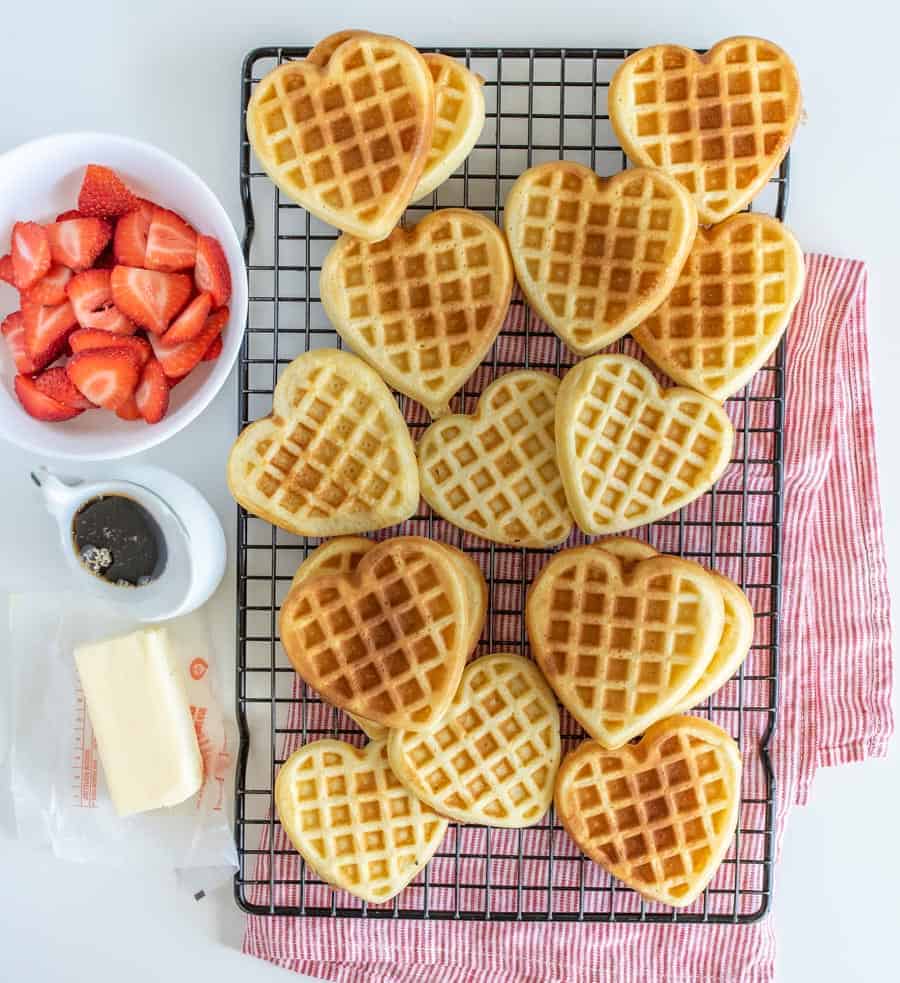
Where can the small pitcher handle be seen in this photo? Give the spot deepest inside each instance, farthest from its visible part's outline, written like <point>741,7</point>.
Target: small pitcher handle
<point>58,496</point>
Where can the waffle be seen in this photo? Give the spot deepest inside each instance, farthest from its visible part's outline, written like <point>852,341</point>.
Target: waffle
<point>492,758</point>
<point>622,646</point>
<point>730,307</point>
<point>423,306</point>
<point>387,642</point>
<point>658,815</point>
<point>494,473</point>
<point>596,256</point>
<point>352,821</point>
<point>458,111</point>
<point>349,141</point>
<point>720,122</point>
<point>333,457</point>
<point>631,452</point>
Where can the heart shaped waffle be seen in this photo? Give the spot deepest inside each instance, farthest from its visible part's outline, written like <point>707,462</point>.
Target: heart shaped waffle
<point>349,141</point>
<point>424,306</point>
<point>494,473</point>
<point>622,647</point>
<point>658,815</point>
<point>720,122</point>
<point>595,255</point>
<point>334,456</point>
<point>352,821</point>
<point>387,642</point>
<point>730,307</point>
<point>492,758</point>
<point>631,452</point>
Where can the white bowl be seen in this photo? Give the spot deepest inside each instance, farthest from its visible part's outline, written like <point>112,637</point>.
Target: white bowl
<point>41,179</point>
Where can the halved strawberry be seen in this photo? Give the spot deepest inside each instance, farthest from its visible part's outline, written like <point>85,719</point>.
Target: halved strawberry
<point>106,376</point>
<point>211,273</point>
<point>92,302</point>
<point>51,288</point>
<point>130,241</point>
<point>128,410</point>
<point>77,242</point>
<point>152,393</point>
<point>85,339</point>
<point>104,193</point>
<point>40,405</point>
<point>171,242</point>
<point>214,350</point>
<point>46,330</point>
<point>13,329</point>
<point>6,269</point>
<point>178,360</point>
<point>148,297</point>
<point>30,253</point>
<point>71,213</point>
<point>190,321</point>
<point>56,384</point>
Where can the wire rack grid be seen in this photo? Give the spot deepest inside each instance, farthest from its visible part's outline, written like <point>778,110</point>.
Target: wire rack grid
<point>542,104</point>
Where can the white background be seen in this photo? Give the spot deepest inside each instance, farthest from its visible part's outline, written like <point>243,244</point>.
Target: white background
<point>169,74</point>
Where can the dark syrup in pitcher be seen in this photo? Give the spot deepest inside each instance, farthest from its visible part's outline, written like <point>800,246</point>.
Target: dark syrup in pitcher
<point>118,540</point>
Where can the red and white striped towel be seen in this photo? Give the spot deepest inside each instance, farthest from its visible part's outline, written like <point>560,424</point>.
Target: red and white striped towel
<point>834,702</point>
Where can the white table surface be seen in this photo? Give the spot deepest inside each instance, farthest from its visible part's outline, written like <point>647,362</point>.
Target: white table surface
<point>169,74</point>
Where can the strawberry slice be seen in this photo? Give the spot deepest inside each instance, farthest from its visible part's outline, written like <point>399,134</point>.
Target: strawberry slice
<point>130,241</point>
<point>128,410</point>
<point>85,339</point>
<point>214,350</point>
<point>92,301</point>
<point>51,288</point>
<point>40,405</point>
<point>148,297</point>
<point>103,193</point>
<point>6,269</point>
<point>171,242</point>
<point>71,213</point>
<point>152,393</point>
<point>46,330</point>
<point>30,254</point>
<point>211,273</point>
<point>13,329</point>
<point>56,384</point>
<point>178,360</point>
<point>191,321</point>
<point>105,376</point>
<point>77,242</point>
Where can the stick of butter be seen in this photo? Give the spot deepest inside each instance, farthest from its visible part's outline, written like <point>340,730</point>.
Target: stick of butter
<point>139,711</point>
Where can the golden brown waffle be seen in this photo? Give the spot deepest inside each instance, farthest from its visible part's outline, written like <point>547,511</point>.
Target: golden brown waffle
<point>494,473</point>
<point>334,455</point>
<point>387,642</point>
<point>595,255</point>
<point>720,122</point>
<point>458,111</point>
<point>631,452</point>
<point>349,141</point>
<point>423,306</point>
<point>622,647</point>
<point>492,758</point>
<point>730,307</point>
<point>352,821</point>
<point>659,815</point>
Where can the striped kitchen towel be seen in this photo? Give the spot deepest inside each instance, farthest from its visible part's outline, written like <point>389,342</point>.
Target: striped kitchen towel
<point>833,707</point>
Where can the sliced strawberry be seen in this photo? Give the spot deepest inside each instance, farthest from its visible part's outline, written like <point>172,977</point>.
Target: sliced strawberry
<point>56,384</point>
<point>51,288</point>
<point>214,350</point>
<point>71,213</point>
<point>128,410</point>
<point>191,321</point>
<point>77,242</point>
<point>175,379</point>
<point>46,330</point>
<point>178,360</point>
<point>40,405</point>
<point>171,242</point>
<point>148,297</point>
<point>152,393</point>
<point>30,254</point>
<point>130,242</point>
<point>106,376</point>
<point>13,329</point>
<point>6,269</point>
<point>92,302</point>
<point>104,193</point>
<point>87,338</point>
<point>211,273</point>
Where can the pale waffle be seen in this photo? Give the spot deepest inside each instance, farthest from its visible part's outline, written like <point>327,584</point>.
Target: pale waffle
<point>349,141</point>
<point>334,456</point>
<point>730,307</point>
<point>720,122</point>
<point>458,111</point>
<point>622,646</point>
<point>424,306</point>
<point>352,821</point>
<point>387,642</point>
<point>495,473</point>
<point>658,815</point>
<point>492,758</point>
<point>631,452</point>
<point>595,255</point>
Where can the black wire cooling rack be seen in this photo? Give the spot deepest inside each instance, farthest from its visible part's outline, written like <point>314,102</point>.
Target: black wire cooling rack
<point>542,104</point>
